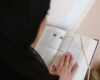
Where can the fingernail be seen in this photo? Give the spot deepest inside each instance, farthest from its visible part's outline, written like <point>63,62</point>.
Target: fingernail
<point>68,52</point>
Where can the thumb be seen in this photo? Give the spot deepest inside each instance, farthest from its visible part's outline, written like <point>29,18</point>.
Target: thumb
<point>53,70</point>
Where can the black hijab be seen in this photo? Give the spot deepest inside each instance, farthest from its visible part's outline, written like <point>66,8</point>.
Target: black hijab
<point>19,24</point>
<point>20,20</point>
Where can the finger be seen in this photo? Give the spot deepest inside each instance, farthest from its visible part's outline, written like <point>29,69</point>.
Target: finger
<point>67,60</point>
<point>61,63</point>
<point>53,70</point>
<point>71,63</point>
<point>74,69</point>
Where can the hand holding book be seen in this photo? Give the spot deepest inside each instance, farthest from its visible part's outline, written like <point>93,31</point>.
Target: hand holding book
<point>65,69</point>
<point>55,42</point>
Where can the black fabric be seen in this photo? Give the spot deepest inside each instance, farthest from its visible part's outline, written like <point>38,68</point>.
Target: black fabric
<point>19,24</point>
<point>20,20</point>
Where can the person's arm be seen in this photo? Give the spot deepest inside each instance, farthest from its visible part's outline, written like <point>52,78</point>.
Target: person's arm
<point>24,63</point>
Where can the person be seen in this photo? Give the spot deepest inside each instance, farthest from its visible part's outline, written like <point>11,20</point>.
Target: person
<point>21,23</point>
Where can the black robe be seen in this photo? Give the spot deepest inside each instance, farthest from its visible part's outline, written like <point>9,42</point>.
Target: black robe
<point>19,24</point>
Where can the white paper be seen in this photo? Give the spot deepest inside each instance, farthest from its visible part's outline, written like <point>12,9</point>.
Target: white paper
<point>49,44</point>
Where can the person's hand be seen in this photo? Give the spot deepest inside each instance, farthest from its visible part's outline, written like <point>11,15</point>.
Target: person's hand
<point>66,69</point>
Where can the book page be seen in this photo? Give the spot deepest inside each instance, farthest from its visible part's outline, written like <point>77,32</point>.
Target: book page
<point>89,50</point>
<point>49,43</point>
<point>82,49</point>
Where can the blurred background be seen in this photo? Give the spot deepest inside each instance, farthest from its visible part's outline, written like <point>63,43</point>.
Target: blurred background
<point>91,27</point>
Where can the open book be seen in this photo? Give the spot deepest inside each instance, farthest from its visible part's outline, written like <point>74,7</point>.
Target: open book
<point>55,42</point>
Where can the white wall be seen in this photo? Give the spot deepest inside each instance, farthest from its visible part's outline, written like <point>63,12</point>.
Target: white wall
<point>68,14</point>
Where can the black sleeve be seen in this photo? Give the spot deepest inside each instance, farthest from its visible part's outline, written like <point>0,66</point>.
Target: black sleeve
<point>24,63</point>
